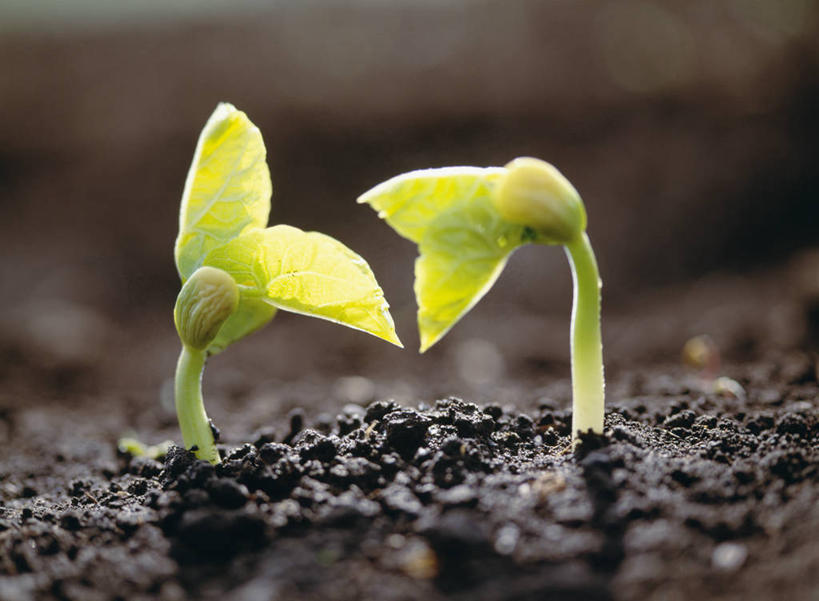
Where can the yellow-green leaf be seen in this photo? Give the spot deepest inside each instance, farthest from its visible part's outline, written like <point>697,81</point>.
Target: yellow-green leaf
<point>411,201</point>
<point>251,314</point>
<point>227,191</point>
<point>308,273</point>
<point>463,241</point>
<point>461,255</point>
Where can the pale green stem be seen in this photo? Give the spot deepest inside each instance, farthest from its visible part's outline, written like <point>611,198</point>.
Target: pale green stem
<point>193,421</point>
<point>587,347</point>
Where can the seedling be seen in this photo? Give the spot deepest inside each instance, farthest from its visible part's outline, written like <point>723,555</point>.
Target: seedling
<point>467,221</point>
<point>236,272</point>
<point>137,448</point>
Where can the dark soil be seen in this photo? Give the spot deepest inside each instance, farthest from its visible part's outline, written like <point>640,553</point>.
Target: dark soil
<point>349,472</point>
<point>689,495</point>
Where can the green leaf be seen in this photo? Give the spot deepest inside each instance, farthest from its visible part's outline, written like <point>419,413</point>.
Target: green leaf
<point>251,314</point>
<point>411,201</point>
<point>462,253</point>
<point>308,273</point>
<point>227,191</point>
<point>463,242</point>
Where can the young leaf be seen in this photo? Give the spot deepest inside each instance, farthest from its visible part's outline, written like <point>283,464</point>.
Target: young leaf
<point>308,273</point>
<point>463,242</point>
<point>225,205</point>
<point>460,256</point>
<point>411,201</point>
<point>252,314</point>
<point>227,191</point>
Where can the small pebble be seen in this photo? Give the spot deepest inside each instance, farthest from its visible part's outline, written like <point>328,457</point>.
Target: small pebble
<point>418,561</point>
<point>729,557</point>
<point>507,539</point>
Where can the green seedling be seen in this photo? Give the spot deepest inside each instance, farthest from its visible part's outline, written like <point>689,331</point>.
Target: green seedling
<point>467,221</point>
<point>137,448</point>
<point>236,272</point>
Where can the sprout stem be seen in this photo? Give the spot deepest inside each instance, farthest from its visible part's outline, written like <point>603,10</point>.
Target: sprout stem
<point>587,348</point>
<point>190,410</point>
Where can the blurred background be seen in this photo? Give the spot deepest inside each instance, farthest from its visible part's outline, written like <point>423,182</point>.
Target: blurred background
<point>690,129</point>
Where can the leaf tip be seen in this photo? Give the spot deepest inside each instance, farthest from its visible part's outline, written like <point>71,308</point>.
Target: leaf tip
<point>389,335</point>
<point>223,108</point>
<point>427,341</point>
<point>370,195</point>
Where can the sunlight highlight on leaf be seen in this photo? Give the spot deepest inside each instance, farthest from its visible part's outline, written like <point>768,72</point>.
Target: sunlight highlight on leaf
<point>463,242</point>
<point>308,273</point>
<point>461,255</point>
<point>227,191</point>
<point>411,201</point>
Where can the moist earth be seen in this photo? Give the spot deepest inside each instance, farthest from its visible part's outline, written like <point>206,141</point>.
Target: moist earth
<point>694,491</point>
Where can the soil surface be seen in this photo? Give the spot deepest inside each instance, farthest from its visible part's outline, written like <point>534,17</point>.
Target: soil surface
<point>350,470</point>
<point>697,490</point>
